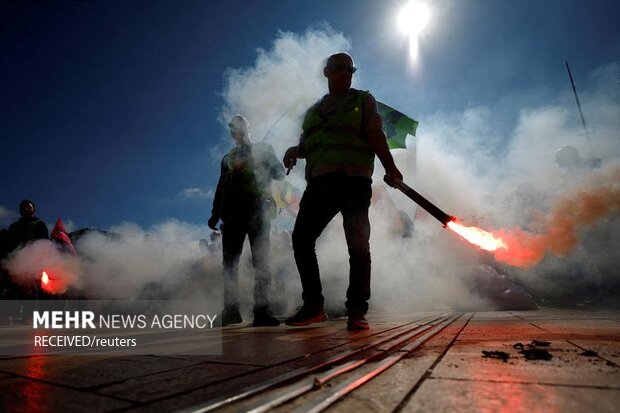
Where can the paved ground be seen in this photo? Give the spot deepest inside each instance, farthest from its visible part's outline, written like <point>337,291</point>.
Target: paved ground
<point>447,372</point>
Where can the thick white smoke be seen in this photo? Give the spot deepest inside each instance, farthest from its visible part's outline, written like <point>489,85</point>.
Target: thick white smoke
<point>127,262</point>
<point>149,263</point>
<point>26,266</point>
<point>487,178</point>
<point>284,81</point>
<point>518,184</point>
<point>274,94</point>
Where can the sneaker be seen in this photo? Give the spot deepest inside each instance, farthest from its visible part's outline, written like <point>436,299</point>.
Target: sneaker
<point>231,315</point>
<point>357,321</point>
<point>307,314</point>
<point>264,318</point>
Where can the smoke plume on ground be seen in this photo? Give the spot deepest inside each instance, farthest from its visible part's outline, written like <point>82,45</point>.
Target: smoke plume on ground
<point>513,186</point>
<point>559,235</point>
<point>127,262</point>
<point>26,266</point>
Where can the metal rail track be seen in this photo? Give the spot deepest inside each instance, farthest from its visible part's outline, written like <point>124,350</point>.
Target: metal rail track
<point>322,401</point>
<point>308,383</point>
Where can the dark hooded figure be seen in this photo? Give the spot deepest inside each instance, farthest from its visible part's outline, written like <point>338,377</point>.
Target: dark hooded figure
<point>243,202</point>
<point>28,227</point>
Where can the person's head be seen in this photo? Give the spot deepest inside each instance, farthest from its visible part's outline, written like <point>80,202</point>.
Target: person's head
<point>240,129</point>
<point>26,208</point>
<point>339,70</point>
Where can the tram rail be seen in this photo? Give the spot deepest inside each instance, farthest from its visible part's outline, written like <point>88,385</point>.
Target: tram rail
<point>381,353</point>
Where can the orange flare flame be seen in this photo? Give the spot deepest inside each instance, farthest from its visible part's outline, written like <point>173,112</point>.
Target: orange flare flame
<point>46,282</point>
<point>477,236</point>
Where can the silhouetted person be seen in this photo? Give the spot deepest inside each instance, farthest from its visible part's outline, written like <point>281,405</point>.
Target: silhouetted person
<point>243,202</point>
<point>28,227</point>
<point>342,133</point>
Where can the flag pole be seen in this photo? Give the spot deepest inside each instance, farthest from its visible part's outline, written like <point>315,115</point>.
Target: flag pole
<point>273,125</point>
<point>583,121</point>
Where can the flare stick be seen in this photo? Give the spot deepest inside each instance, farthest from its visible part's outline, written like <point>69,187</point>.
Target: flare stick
<point>420,200</point>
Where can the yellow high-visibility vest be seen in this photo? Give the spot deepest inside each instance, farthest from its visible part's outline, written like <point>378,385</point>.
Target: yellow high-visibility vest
<point>336,138</point>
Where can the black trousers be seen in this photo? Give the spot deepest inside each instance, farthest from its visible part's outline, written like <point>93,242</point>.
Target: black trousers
<point>324,197</point>
<point>257,227</point>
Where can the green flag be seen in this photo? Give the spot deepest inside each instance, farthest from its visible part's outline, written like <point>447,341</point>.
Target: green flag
<point>396,126</point>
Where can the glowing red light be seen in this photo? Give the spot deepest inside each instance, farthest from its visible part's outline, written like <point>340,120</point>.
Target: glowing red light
<point>46,282</point>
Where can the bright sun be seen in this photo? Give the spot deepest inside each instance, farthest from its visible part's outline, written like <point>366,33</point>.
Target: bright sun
<point>412,20</point>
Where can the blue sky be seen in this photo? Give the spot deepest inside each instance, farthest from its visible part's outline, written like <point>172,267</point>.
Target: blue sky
<point>110,109</point>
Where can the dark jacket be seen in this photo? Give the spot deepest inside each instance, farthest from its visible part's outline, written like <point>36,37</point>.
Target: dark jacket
<point>244,187</point>
<point>27,229</point>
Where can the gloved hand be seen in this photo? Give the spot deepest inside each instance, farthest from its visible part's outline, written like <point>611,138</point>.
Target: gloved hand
<point>213,222</point>
<point>290,157</point>
<point>393,174</point>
